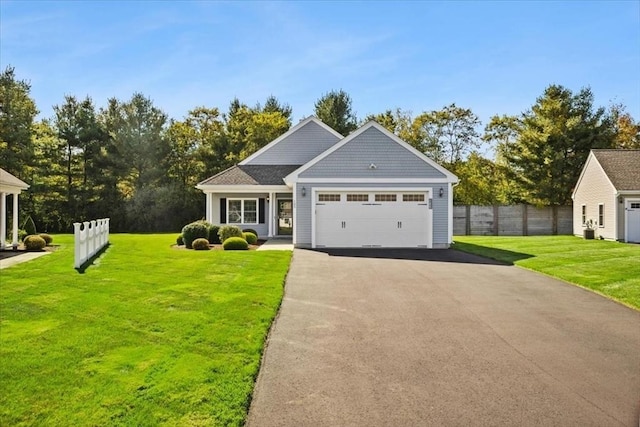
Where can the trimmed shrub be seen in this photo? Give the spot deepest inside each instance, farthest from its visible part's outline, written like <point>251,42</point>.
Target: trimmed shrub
<point>235,244</point>
<point>227,231</point>
<point>200,244</point>
<point>193,231</point>
<point>34,243</point>
<point>180,240</point>
<point>29,226</point>
<point>250,230</point>
<point>213,234</point>
<point>251,238</point>
<point>47,238</point>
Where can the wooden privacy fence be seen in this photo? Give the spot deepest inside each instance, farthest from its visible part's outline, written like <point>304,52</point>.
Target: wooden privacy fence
<point>512,220</point>
<point>89,240</point>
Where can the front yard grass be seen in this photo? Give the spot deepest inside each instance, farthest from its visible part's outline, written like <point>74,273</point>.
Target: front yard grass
<point>609,268</point>
<point>149,335</point>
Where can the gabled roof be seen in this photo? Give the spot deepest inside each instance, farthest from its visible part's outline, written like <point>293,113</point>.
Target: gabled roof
<point>621,166</point>
<point>251,175</point>
<point>289,179</point>
<point>300,125</point>
<point>9,181</point>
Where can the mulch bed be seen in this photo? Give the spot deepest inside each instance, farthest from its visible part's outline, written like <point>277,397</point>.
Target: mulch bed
<point>10,253</point>
<point>219,247</point>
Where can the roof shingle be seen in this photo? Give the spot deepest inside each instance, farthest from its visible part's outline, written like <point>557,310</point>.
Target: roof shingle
<point>622,167</point>
<point>251,175</point>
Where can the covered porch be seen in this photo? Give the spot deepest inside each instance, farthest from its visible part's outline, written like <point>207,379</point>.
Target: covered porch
<point>9,186</point>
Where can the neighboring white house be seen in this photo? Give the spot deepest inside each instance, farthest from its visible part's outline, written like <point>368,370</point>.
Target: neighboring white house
<point>9,184</point>
<point>369,189</point>
<point>608,195</point>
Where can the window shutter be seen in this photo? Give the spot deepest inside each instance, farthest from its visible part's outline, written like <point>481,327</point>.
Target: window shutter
<point>223,211</point>
<point>261,211</point>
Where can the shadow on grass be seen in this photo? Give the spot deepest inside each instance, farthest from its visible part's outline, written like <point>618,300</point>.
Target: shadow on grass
<point>88,263</point>
<point>417,254</point>
<point>500,255</point>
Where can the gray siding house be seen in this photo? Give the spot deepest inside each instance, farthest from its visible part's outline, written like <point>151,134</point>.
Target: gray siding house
<point>369,189</point>
<point>607,195</point>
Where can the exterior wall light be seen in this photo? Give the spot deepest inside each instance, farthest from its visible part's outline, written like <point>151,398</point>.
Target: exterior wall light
<point>373,166</point>
<point>304,191</point>
<point>441,192</point>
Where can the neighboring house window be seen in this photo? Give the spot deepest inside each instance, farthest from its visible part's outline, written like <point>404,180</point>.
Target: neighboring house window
<point>413,197</point>
<point>328,197</point>
<point>386,197</point>
<point>584,214</point>
<point>357,197</point>
<point>601,215</point>
<point>242,211</point>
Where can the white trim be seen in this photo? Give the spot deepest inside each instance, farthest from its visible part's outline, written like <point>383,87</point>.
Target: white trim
<point>209,207</point>
<point>316,190</point>
<point>294,198</point>
<point>243,188</point>
<point>271,215</point>
<point>450,212</point>
<point>373,180</point>
<point>293,176</point>
<point>294,129</point>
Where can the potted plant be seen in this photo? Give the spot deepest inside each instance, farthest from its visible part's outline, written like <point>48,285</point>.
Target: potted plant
<point>589,231</point>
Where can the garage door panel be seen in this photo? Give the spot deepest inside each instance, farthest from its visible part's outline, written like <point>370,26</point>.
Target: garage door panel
<point>384,224</point>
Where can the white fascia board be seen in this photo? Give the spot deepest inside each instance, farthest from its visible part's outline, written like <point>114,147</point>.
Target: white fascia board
<point>294,129</point>
<point>10,189</point>
<point>374,180</point>
<point>294,175</point>
<point>243,188</point>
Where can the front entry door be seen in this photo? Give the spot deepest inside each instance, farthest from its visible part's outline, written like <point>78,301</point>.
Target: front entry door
<point>285,217</point>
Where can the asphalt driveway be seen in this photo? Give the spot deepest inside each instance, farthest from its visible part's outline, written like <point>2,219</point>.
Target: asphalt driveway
<point>443,338</point>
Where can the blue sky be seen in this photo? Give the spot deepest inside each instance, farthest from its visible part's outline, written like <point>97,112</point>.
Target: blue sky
<point>492,57</point>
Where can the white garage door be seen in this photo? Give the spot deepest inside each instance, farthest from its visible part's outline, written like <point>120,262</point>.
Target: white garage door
<point>372,219</point>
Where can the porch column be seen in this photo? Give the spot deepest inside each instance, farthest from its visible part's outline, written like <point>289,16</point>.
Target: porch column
<point>272,203</point>
<point>14,236</point>
<point>208,214</point>
<point>3,220</point>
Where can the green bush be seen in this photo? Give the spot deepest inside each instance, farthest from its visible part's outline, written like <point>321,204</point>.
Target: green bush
<point>250,230</point>
<point>251,238</point>
<point>29,226</point>
<point>180,240</point>
<point>47,238</point>
<point>193,231</point>
<point>227,231</point>
<point>34,243</point>
<point>200,244</point>
<point>235,244</point>
<point>213,234</point>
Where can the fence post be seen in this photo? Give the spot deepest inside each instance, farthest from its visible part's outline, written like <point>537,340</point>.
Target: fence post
<point>496,220</point>
<point>76,239</point>
<point>525,220</point>
<point>554,210</point>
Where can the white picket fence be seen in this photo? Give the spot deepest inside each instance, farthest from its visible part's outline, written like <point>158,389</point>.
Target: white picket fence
<point>90,239</point>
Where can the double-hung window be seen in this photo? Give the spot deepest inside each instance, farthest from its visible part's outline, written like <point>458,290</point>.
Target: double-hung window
<point>584,214</point>
<point>601,215</point>
<point>242,211</point>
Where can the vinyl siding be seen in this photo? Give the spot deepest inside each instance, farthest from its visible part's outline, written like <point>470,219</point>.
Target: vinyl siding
<point>353,159</point>
<point>304,205</point>
<point>595,189</point>
<point>298,148</point>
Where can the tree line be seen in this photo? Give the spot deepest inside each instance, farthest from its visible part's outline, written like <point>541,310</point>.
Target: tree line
<point>131,162</point>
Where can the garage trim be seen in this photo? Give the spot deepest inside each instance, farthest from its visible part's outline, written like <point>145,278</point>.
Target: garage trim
<point>316,190</point>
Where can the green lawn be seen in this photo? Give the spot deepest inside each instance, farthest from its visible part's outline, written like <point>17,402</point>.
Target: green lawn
<point>609,268</point>
<point>149,335</point>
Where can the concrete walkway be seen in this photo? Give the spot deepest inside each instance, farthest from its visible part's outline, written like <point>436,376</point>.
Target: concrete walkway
<point>19,259</point>
<point>443,338</point>
<point>276,245</point>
